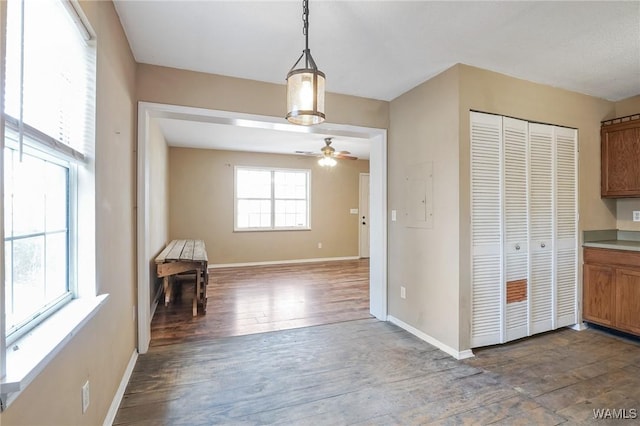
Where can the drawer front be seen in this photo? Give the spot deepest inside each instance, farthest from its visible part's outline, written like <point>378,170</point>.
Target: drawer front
<point>612,257</point>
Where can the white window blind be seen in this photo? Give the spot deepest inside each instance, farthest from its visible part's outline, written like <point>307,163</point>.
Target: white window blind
<point>50,76</point>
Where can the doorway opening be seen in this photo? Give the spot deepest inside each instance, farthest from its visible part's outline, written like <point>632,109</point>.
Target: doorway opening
<point>377,200</point>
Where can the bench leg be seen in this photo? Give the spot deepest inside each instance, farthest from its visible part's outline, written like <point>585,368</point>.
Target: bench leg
<point>167,291</point>
<point>196,294</point>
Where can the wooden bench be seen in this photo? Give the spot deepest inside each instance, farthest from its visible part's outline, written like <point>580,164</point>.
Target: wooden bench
<point>181,256</point>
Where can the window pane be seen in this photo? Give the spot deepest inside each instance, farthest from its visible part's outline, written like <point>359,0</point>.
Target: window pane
<point>28,195</point>
<point>56,266</point>
<point>56,197</point>
<point>254,214</point>
<point>28,279</point>
<point>8,192</point>
<point>291,213</point>
<point>253,184</point>
<point>290,184</point>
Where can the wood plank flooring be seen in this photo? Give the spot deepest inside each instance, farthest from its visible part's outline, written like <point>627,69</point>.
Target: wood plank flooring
<point>374,373</point>
<point>257,299</point>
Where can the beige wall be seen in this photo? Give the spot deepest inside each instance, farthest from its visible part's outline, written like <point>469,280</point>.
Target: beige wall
<point>202,207</point>
<point>194,89</point>
<point>158,197</point>
<point>628,106</point>
<point>102,349</point>
<point>425,261</point>
<point>626,206</point>
<point>496,93</point>
<point>431,123</point>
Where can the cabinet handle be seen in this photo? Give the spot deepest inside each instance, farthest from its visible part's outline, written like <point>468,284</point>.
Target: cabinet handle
<point>543,245</point>
<point>517,246</point>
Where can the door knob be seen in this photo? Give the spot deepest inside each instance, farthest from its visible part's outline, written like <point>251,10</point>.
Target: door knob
<point>543,245</point>
<point>517,246</point>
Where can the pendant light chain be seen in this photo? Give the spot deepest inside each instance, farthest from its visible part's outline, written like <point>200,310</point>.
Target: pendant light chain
<point>305,29</point>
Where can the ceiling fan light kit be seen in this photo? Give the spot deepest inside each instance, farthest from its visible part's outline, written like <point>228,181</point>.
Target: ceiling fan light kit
<point>305,86</point>
<point>327,161</point>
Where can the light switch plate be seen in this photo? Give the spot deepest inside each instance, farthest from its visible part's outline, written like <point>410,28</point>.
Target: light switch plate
<point>636,215</point>
<point>393,215</point>
<point>353,211</point>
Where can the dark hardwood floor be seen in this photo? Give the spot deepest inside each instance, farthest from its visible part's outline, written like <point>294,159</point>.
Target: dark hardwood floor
<point>256,299</point>
<point>351,370</point>
<point>372,372</point>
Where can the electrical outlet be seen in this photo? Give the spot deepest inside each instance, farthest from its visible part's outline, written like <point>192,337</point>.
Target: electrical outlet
<point>134,313</point>
<point>319,245</point>
<point>636,215</point>
<point>85,397</point>
<point>393,215</point>
<point>403,292</point>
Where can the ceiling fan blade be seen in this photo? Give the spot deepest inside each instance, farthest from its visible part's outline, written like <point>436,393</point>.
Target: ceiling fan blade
<point>345,157</point>
<point>342,153</point>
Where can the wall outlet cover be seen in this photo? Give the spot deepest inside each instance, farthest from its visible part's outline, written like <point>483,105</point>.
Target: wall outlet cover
<point>636,215</point>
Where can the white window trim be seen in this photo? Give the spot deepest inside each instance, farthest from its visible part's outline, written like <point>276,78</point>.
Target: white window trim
<point>273,228</point>
<point>29,356</point>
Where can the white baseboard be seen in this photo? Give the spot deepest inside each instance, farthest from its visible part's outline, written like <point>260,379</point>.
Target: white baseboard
<point>280,262</point>
<point>117,398</point>
<point>431,340</point>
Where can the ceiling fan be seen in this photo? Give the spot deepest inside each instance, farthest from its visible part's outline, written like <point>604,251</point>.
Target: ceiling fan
<point>328,154</point>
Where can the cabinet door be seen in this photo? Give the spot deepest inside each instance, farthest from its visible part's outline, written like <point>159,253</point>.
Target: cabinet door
<point>598,296</point>
<point>627,293</point>
<point>620,166</point>
<point>541,226</point>
<point>515,143</point>
<point>566,227</point>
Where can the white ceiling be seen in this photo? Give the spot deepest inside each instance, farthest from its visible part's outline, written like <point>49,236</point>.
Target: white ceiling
<point>381,49</point>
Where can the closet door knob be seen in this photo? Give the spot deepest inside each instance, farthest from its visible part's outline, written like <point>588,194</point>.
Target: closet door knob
<point>517,246</point>
<point>543,245</point>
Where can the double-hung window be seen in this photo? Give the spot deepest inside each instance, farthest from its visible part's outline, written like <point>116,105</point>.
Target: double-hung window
<point>48,137</point>
<point>271,198</point>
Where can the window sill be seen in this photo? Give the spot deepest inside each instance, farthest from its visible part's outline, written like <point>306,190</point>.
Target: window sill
<point>28,356</point>
<point>283,229</point>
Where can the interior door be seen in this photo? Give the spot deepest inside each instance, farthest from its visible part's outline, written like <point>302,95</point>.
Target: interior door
<point>363,209</point>
<point>487,307</point>
<point>541,207</point>
<point>515,141</point>
<point>566,215</point>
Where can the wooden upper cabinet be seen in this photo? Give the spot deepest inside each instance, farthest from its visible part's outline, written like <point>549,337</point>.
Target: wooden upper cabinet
<point>620,162</point>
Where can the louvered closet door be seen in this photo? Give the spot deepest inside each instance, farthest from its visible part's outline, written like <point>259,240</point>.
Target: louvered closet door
<point>541,240</point>
<point>566,244</point>
<point>515,143</point>
<point>486,225</point>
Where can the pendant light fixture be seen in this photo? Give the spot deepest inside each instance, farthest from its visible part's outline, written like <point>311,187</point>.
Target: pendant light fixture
<point>305,86</point>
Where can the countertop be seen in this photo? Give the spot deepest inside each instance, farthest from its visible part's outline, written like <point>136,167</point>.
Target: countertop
<point>614,245</point>
<point>612,239</point>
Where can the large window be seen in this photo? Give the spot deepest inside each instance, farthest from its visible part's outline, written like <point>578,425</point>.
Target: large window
<point>48,134</point>
<point>271,199</point>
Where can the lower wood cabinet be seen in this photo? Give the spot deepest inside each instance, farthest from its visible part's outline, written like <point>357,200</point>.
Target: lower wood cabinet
<point>611,288</point>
